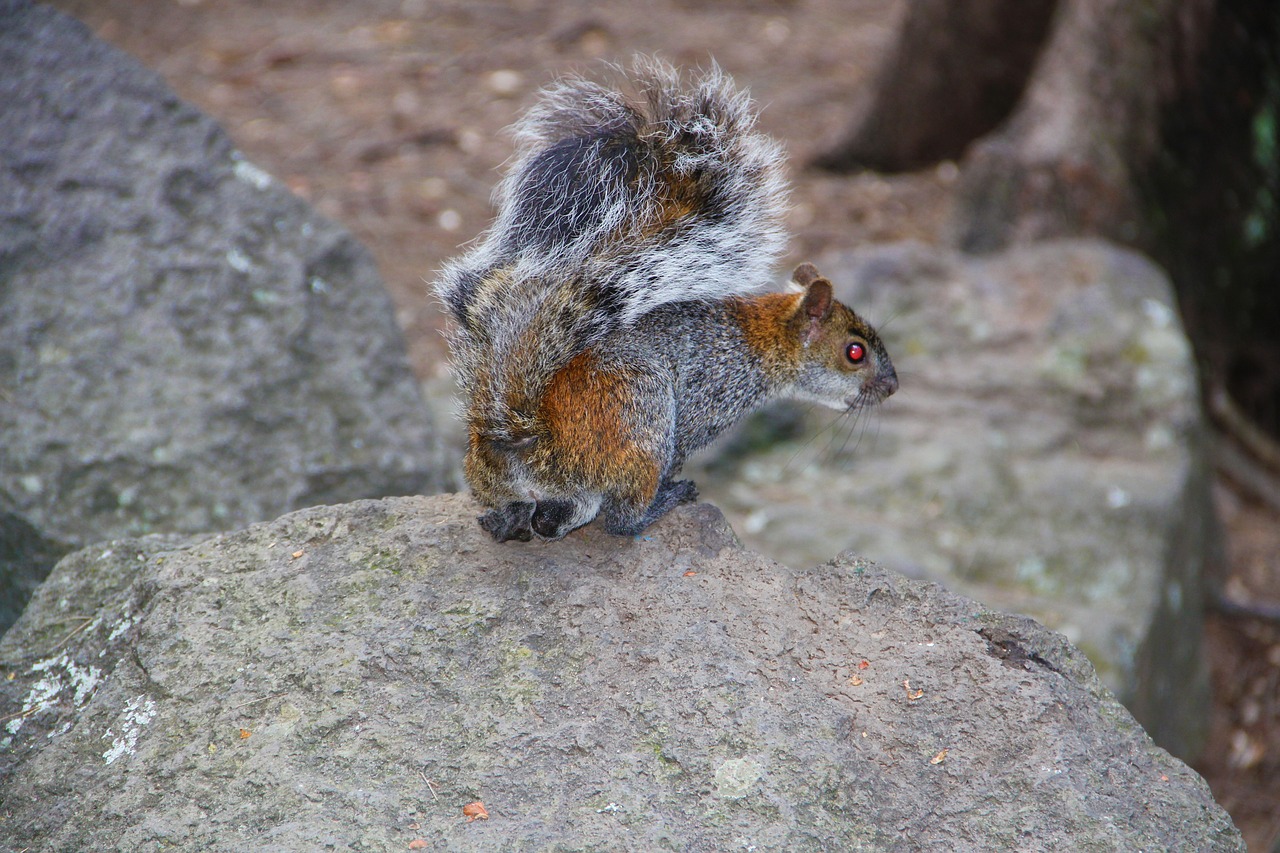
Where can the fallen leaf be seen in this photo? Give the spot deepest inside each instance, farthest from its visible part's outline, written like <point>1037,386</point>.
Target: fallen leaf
<point>855,680</point>
<point>475,811</point>
<point>244,733</point>
<point>690,573</point>
<point>912,695</point>
<point>940,757</point>
<point>863,664</point>
<point>297,554</point>
<point>418,844</point>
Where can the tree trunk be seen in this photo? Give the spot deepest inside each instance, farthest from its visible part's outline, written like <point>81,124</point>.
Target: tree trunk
<point>956,70</point>
<point>1069,159</point>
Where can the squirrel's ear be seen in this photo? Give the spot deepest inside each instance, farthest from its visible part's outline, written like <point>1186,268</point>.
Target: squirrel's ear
<point>805,274</point>
<point>816,306</point>
<point>802,278</point>
<point>817,300</point>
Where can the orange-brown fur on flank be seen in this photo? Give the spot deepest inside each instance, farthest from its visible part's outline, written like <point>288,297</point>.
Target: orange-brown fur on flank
<point>579,439</point>
<point>587,412</point>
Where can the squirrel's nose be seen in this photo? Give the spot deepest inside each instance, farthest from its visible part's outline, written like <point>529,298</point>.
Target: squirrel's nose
<point>888,380</point>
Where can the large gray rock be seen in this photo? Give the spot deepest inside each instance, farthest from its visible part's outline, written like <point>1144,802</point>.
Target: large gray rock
<point>184,345</point>
<point>350,677</point>
<point>1044,455</point>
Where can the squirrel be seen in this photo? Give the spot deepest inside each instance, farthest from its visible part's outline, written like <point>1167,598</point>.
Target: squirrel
<point>604,327</point>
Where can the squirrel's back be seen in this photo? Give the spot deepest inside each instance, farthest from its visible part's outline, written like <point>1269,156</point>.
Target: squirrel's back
<point>614,205</point>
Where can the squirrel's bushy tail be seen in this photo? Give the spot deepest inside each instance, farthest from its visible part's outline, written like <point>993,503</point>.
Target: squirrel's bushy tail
<point>613,206</point>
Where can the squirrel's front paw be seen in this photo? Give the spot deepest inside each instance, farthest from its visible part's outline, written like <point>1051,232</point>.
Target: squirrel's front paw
<point>681,491</point>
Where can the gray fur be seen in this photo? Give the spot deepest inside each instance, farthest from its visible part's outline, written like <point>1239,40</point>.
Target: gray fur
<point>716,378</point>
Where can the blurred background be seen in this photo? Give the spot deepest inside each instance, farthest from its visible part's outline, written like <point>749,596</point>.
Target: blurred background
<point>971,126</point>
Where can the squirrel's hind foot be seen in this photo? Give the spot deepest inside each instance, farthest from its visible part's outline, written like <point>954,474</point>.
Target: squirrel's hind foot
<point>552,518</point>
<point>555,517</point>
<point>510,522</point>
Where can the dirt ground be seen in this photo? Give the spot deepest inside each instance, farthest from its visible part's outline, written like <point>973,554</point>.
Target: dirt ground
<point>388,116</point>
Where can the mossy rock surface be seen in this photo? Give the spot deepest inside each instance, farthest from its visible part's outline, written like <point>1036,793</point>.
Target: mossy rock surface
<point>273,689</point>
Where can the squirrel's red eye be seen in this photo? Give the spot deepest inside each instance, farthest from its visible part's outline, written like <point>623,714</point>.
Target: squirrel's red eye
<point>855,352</point>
